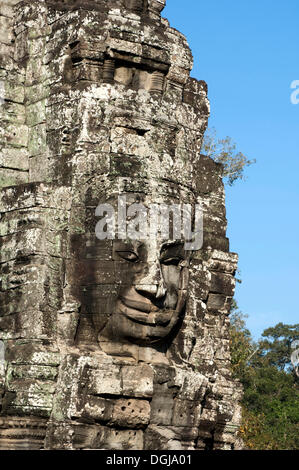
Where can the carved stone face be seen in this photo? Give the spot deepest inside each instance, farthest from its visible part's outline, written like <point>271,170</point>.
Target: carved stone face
<point>152,291</point>
<point>130,291</point>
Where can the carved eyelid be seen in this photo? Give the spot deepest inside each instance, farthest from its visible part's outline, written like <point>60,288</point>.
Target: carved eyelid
<point>170,259</point>
<point>122,253</point>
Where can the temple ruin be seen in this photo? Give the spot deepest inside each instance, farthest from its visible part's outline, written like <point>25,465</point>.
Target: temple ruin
<point>108,343</point>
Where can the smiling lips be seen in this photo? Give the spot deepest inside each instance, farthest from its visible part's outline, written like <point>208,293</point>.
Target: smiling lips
<point>143,312</point>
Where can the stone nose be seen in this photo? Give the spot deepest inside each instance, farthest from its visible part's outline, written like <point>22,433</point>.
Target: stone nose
<point>151,291</point>
<point>152,284</point>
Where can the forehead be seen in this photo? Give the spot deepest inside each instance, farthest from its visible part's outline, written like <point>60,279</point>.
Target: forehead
<point>145,191</point>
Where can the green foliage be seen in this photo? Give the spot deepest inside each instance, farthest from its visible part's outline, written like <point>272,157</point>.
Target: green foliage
<point>224,151</point>
<point>253,425</point>
<point>276,347</point>
<point>241,344</point>
<point>271,391</point>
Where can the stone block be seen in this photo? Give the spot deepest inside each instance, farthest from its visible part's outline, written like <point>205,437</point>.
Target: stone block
<point>137,381</point>
<point>162,408</point>
<point>97,408</point>
<point>222,284</point>
<point>131,413</point>
<point>118,439</point>
<point>186,413</point>
<point>106,381</point>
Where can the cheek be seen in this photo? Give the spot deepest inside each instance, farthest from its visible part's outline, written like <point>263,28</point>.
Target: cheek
<point>128,274</point>
<point>171,276</point>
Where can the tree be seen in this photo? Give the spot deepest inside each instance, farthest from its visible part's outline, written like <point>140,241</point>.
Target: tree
<point>224,151</point>
<point>276,346</point>
<point>271,392</point>
<point>271,399</point>
<point>241,343</point>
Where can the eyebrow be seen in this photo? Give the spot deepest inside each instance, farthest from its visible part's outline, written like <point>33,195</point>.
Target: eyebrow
<point>124,245</point>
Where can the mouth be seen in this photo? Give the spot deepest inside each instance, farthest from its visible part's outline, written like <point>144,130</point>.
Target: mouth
<point>141,306</point>
<point>143,313</point>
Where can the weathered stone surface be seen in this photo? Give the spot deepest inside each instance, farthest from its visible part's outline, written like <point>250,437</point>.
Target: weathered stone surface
<point>138,381</point>
<point>106,381</point>
<point>121,343</point>
<point>130,413</point>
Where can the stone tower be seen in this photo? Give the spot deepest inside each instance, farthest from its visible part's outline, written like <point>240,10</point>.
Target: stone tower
<point>108,343</point>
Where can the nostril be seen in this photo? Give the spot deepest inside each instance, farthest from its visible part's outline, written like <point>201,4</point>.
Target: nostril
<point>147,289</point>
<point>152,293</point>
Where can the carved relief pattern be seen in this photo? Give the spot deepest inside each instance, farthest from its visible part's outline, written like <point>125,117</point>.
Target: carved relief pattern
<point>109,344</point>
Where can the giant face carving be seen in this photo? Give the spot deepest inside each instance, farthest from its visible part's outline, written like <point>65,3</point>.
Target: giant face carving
<point>130,291</point>
<point>152,293</point>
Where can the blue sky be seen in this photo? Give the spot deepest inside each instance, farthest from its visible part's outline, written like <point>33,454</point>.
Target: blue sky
<point>248,53</point>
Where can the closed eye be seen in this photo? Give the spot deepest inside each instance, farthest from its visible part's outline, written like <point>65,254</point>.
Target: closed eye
<point>128,255</point>
<point>171,261</point>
